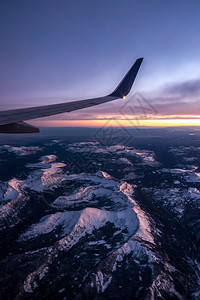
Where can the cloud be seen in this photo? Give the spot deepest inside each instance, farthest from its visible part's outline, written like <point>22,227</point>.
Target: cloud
<point>184,89</point>
<point>181,98</point>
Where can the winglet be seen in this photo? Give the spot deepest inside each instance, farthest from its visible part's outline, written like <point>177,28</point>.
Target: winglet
<point>125,85</point>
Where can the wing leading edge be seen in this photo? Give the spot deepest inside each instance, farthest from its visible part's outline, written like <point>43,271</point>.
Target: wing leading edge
<point>11,121</point>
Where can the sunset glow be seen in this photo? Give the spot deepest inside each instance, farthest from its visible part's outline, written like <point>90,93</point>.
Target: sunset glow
<point>118,123</point>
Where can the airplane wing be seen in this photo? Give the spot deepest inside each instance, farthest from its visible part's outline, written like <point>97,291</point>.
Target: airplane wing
<point>11,121</point>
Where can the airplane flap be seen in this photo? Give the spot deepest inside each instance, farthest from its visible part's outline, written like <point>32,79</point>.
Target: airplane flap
<point>19,127</point>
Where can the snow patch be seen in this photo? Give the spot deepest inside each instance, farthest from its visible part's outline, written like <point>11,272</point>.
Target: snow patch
<point>21,151</point>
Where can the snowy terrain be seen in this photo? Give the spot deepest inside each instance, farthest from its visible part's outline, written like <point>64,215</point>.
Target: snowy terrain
<point>20,151</point>
<point>98,221</point>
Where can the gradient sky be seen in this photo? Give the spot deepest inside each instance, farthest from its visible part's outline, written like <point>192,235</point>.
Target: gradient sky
<point>53,51</point>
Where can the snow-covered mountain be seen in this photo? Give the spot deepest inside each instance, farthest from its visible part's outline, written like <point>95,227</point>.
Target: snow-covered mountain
<point>90,221</point>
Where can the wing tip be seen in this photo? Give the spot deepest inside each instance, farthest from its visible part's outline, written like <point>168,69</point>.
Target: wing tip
<point>126,83</point>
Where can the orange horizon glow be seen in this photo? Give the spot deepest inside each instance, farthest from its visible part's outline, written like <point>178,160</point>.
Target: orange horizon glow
<point>118,123</point>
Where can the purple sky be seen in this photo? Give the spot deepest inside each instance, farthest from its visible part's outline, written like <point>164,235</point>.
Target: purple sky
<point>54,51</point>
